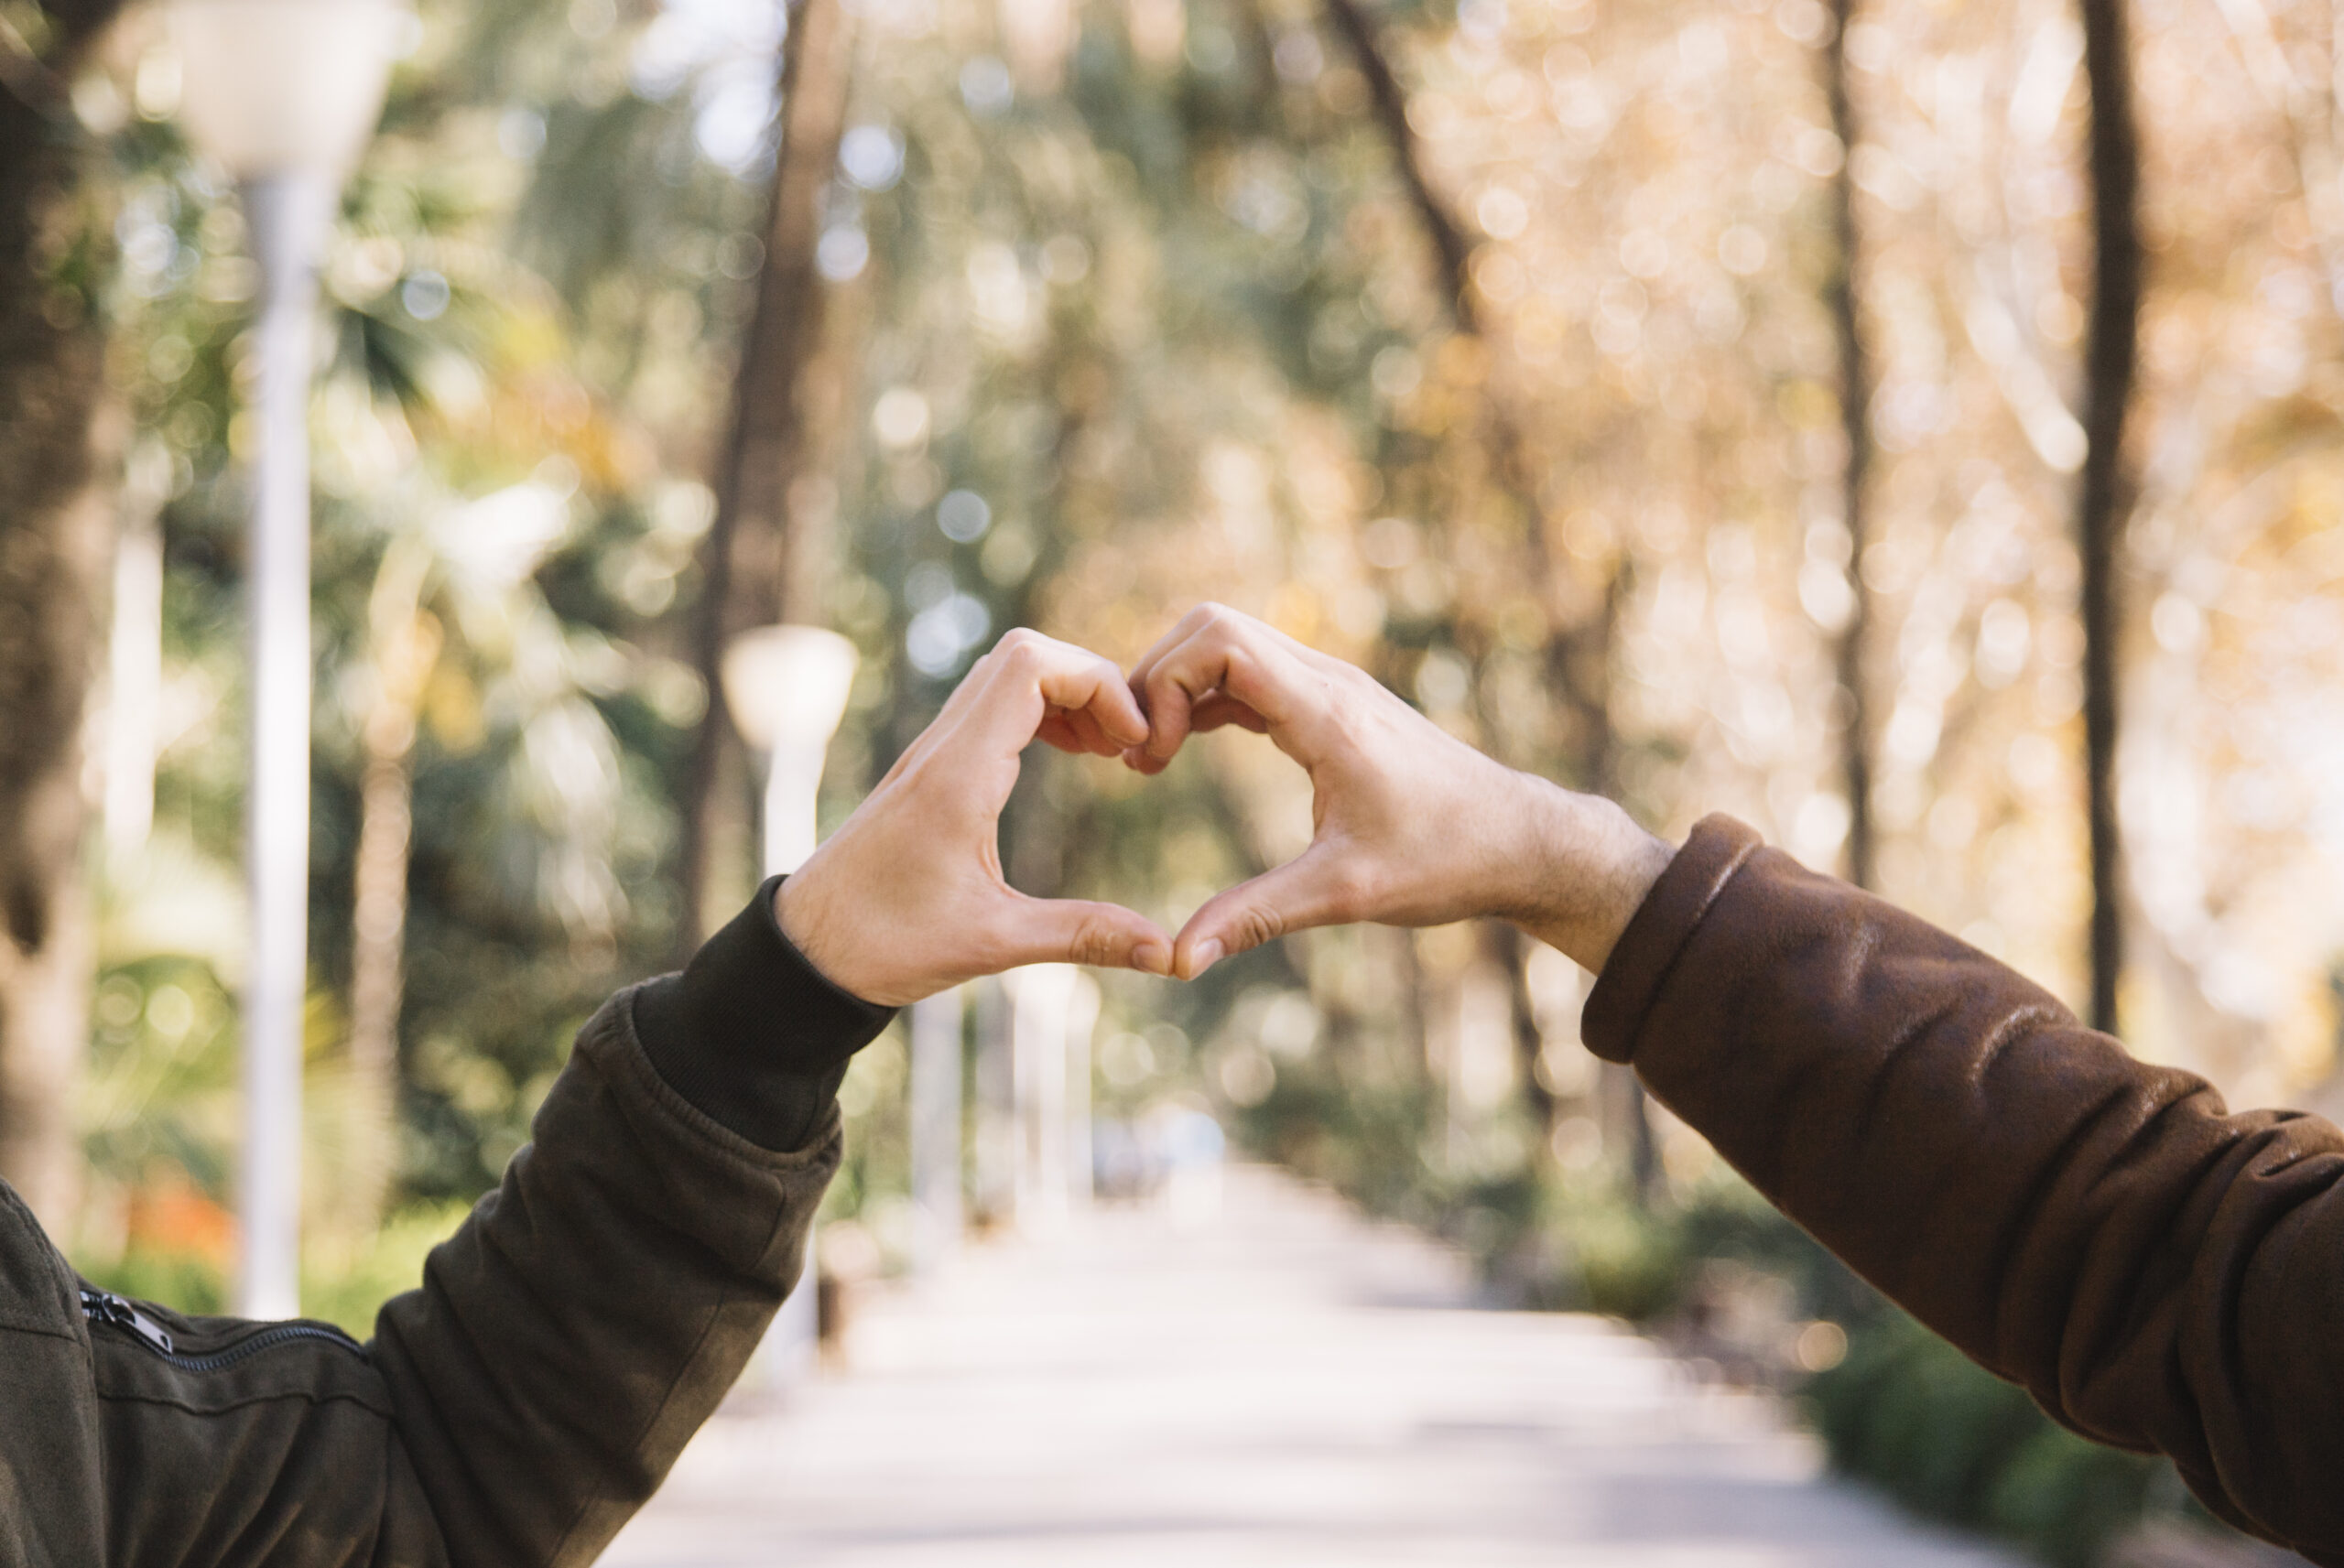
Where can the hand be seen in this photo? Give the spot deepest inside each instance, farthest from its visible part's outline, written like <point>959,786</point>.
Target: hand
<point>907,897</point>
<point>1412,826</point>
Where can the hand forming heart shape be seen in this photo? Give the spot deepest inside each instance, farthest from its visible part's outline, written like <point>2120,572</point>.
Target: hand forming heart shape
<point>1412,826</point>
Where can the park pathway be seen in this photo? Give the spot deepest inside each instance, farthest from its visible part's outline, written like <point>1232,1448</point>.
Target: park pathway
<point>1285,1384</point>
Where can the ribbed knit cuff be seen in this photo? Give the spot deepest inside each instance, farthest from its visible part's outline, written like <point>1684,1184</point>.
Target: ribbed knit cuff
<point>752,1033</point>
<point>1658,931</point>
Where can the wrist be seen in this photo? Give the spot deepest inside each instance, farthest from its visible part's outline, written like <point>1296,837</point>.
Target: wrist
<point>801,910</point>
<point>1589,866</point>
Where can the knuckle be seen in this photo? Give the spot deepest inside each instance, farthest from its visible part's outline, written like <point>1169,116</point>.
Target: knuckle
<point>1256,924</point>
<point>1096,943</point>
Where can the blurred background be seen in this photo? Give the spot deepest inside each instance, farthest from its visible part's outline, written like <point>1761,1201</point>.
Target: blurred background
<point>1844,417</point>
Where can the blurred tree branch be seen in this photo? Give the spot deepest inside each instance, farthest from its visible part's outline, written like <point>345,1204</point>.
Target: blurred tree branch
<point>1855,410</point>
<point>751,561</point>
<point>1577,648</point>
<point>2103,498</point>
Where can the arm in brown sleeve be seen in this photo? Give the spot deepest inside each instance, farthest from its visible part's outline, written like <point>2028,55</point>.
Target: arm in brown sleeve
<point>2159,1272</point>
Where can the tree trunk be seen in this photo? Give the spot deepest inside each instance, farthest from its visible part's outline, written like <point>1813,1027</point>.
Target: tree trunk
<point>752,555</point>
<point>1576,658</point>
<point>1567,646</point>
<point>1855,403</point>
<point>2103,499</point>
<point>54,535</point>
<point>1452,248</point>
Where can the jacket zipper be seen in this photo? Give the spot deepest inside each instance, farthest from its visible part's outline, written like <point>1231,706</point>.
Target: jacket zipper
<point>104,1306</point>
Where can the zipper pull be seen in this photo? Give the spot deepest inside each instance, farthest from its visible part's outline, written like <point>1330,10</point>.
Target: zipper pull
<point>103,1307</point>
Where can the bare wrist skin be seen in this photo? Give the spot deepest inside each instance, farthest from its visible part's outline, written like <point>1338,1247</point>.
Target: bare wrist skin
<point>797,909</point>
<point>1592,867</point>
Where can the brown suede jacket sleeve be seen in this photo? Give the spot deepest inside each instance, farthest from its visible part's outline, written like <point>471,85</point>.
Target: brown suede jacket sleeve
<point>2159,1272</point>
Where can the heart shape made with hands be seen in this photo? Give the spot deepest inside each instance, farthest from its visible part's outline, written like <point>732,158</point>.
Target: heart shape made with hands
<point>1411,825</point>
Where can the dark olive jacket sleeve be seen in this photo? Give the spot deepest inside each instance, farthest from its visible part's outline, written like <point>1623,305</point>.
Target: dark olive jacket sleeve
<point>2159,1272</point>
<point>595,1308</point>
<point>520,1404</point>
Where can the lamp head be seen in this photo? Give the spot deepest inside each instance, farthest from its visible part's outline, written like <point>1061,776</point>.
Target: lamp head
<point>788,686</point>
<point>283,87</point>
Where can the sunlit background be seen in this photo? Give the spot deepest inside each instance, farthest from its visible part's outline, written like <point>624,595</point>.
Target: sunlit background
<point>1502,361</point>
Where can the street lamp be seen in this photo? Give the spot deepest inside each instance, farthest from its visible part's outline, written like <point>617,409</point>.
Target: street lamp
<point>1054,1010</point>
<point>937,1024</point>
<point>786,689</point>
<point>284,94</point>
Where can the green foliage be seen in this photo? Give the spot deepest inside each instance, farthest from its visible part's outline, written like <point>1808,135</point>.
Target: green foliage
<point>180,1281</point>
<point>1948,1439</point>
<point>2067,1497</point>
<point>349,1286</point>
<point>1627,1265</point>
<point>344,1283</point>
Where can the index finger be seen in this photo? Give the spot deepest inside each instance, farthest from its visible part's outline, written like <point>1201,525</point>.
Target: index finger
<point>1029,675</point>
<point>1225,664</point>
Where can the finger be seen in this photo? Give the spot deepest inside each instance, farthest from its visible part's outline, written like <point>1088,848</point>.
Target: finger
<point>1170,702</point>
<point>1315,888</point>
<point>1186,628</point>
<point>1218,708</point>
<point>1078,732</point>
<point>1212,712</point>
<point>1173,704</point>
<point>1092,734</point>
<point>1059,729</point>
<point>1028,674</point>
<point>1235,656</point>
<point>1077,931</point>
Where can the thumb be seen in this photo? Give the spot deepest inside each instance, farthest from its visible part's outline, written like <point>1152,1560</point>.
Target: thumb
<point>1076,931</point>
<point>1315,888</point>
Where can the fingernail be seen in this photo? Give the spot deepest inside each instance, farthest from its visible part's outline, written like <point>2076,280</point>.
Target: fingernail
<point>1208,954</point>
<point>1152,958</point>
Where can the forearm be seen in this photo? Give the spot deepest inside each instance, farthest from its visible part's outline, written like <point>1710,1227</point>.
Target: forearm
<point>2158,1272</point>
<point>1588,867</point>
<point>592,1312</point>
<point>754,1031</point>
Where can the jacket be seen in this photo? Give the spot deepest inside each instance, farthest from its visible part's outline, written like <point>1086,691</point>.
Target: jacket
<point>2160,1272</point>
<point>530,1395</point>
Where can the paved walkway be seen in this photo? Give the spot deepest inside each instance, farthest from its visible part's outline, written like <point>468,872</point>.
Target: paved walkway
<point>1285,1385</point>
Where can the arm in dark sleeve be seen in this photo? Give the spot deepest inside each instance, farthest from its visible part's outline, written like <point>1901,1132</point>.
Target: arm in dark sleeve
<point>591,1312</point>
<point>2160,1274</point>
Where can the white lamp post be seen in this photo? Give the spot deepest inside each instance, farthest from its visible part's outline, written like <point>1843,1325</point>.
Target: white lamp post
<point>1054,1010</point>
<point>786,688</point>
<point>936,1125</point>
<point>284,94</point>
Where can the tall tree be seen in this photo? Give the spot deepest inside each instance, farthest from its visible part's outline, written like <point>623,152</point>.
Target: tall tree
<point>752,558</point>
<point>2103,497</point>
<point>1577,655</point>
<point>1855,405</point>
<point>54,535</point>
